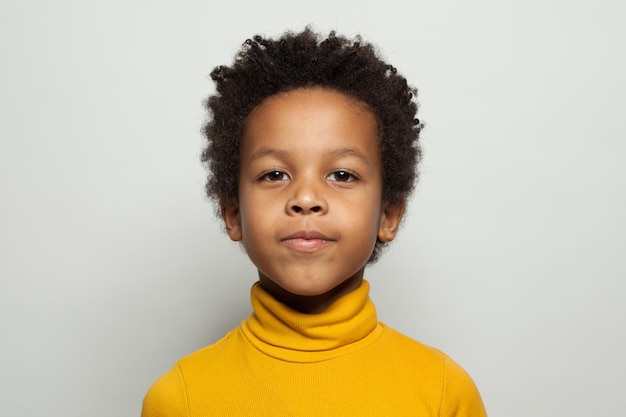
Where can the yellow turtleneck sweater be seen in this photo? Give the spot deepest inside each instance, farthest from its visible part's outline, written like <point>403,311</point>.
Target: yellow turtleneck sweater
<point>342,362</point>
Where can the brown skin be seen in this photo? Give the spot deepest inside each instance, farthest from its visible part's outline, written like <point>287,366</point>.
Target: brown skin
<point>310,196</point>
<point>265,67</point>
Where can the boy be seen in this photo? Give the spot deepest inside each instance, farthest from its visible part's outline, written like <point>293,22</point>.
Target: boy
<point>312,151</point>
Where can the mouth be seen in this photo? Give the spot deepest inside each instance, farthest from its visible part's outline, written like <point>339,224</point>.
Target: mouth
<point>307,241</point>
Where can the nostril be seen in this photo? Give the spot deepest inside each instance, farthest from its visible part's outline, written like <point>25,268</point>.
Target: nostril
<point>299,210</point>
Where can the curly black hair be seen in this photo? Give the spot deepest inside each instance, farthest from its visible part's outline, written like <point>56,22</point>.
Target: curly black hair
<point>265,67</point>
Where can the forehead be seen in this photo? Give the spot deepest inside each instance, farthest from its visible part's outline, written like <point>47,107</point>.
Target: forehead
<point>308,116</point>
<point>315,95</point>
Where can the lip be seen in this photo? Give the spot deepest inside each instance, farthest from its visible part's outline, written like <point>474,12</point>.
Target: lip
<point>307,241</point>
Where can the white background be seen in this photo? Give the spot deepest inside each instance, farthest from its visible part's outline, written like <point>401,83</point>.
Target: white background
<point>511,259</point>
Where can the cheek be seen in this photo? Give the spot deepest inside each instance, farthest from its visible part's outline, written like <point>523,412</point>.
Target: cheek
<point>364,226</point>
<point>255,227</point>
<point>251,243</point>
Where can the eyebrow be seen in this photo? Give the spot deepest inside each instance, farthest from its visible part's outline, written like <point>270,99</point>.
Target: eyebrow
<point>349,152</point>
<point>264,151</point>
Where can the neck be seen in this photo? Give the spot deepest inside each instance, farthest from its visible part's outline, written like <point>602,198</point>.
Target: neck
<point>311,304</point>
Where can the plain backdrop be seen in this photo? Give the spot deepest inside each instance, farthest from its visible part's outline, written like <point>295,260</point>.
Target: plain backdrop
<point>511,258</point>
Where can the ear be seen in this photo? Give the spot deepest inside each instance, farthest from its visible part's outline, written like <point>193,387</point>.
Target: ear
<point>230,214</point>
<point>390,218</point>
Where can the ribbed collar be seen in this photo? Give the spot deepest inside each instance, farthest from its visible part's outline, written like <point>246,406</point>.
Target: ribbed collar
<point>349,324</point>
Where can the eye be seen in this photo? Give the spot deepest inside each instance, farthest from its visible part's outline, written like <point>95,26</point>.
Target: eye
<point>342,176</point>
<point>274,175</point>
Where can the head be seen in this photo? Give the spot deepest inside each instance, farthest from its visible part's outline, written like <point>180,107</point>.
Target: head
<point>266,68</point>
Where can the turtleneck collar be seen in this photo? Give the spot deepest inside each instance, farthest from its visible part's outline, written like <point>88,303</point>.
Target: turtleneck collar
<point>347,325</point>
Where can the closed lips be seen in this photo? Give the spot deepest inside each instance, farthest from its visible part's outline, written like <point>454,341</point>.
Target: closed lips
<point>307,241</point>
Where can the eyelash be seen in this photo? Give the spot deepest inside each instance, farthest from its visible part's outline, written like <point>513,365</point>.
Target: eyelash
<point>349,176</point>
<point>267,176</point>
<point>277,175</point>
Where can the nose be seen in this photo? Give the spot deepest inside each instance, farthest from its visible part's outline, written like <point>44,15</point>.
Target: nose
<point>306,198</point>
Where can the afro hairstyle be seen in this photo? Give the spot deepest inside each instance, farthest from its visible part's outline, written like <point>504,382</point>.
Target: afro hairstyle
<point>265,67</point>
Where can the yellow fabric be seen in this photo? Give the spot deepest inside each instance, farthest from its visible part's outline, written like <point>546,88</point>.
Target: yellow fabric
<point>342,362</point>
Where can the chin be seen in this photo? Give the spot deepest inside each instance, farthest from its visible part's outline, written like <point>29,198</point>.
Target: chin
<point>308,289</point>
<point>315,288</point>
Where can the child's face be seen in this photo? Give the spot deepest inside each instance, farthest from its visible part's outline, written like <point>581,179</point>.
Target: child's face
<point>310,183</point>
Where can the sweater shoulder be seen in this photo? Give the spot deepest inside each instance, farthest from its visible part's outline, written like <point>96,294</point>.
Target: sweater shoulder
<point>169,396</point>
<point>457,394</point>
<point>204,359</point>
<point>414,348</point>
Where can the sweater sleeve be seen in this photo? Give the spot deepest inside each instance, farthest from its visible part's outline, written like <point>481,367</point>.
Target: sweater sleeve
<point>460,396</point>
<point>167,397</point>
